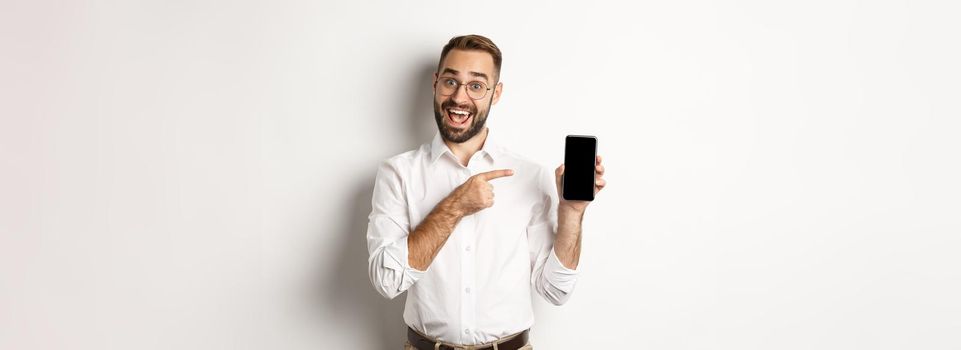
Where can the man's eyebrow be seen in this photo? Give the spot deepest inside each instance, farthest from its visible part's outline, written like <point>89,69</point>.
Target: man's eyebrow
<point>478,74</point>
<point>455,72</point>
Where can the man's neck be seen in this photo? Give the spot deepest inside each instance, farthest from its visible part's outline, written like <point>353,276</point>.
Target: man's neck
<point>465,150</point>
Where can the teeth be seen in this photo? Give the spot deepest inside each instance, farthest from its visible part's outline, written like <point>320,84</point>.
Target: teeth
<point>458,112</point>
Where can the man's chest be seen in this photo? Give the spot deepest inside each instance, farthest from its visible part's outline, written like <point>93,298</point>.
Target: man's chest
<point>515,199</point>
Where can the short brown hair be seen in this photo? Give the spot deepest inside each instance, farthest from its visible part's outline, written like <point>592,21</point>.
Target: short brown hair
<point>473,42</point>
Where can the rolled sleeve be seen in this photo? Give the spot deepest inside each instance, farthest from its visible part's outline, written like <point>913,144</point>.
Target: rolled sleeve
<point>559,275</point>
<point>387,231</point>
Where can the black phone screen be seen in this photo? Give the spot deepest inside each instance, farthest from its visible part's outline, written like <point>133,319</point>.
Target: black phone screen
<point>579,156</point>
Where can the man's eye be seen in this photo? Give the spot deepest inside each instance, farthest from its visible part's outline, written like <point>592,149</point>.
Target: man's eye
<point>450,82</point>
<point>476,86</point>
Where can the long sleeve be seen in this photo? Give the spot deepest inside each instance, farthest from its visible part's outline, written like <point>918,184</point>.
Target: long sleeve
<point>551,279</point>
<point>387,232</point>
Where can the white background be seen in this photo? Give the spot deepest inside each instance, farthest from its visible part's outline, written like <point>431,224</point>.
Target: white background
<point>197,174</point>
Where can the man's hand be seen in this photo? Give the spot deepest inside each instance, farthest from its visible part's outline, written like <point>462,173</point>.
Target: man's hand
<point>579,206</point>
<point>472,196</point>
<point>476,193</point>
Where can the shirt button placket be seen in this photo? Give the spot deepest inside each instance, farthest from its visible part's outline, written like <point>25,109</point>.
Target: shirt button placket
<point>468,303</point>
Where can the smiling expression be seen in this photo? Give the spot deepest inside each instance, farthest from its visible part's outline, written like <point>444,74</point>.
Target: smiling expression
<point>459,117</point>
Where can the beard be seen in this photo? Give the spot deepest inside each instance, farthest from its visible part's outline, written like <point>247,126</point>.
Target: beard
<point>448,133</point>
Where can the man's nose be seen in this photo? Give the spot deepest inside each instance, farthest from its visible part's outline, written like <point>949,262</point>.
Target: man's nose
<point>460,95</point>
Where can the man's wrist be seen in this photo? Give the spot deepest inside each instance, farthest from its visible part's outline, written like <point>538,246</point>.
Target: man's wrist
<point>449,206</point>
<point>570,210</point>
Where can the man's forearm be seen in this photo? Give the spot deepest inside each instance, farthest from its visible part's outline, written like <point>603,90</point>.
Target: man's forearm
<point>431,234</point>
<point>567,245</point>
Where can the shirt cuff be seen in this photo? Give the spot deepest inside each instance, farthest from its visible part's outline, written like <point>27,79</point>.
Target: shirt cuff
<point>559,275</point>
<point>396,259</point>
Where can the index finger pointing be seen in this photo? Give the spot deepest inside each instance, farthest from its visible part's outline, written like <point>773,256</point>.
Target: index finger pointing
<point>493,174</point>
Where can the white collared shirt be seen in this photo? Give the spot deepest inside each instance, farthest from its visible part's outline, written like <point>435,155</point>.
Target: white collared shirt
<point>478,288</point>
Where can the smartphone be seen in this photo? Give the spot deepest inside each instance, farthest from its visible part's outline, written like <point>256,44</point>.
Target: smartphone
<point>580,152</point>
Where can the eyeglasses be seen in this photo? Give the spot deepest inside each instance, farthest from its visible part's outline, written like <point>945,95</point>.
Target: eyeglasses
<point>475,89</point>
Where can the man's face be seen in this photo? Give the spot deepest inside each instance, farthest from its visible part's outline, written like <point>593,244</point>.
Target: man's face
<point>460,117</point>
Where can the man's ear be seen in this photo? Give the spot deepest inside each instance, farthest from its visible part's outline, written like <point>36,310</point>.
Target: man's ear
<point>497,93</point>
<point>434,83</point>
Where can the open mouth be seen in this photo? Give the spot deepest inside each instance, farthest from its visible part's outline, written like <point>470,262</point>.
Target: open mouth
<point>458,118</point>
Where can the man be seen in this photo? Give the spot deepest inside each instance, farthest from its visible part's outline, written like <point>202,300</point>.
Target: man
<point>468,262</point>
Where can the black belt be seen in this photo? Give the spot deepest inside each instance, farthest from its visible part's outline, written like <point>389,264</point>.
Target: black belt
<point>423,343</point>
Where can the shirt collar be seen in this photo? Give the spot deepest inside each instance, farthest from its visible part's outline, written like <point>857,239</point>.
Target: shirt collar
<point>491,148</point>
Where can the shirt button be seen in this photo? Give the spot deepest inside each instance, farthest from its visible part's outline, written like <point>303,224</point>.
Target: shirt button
<point>467,249</point>
<point>466,331</point>
<point>467,290</point>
